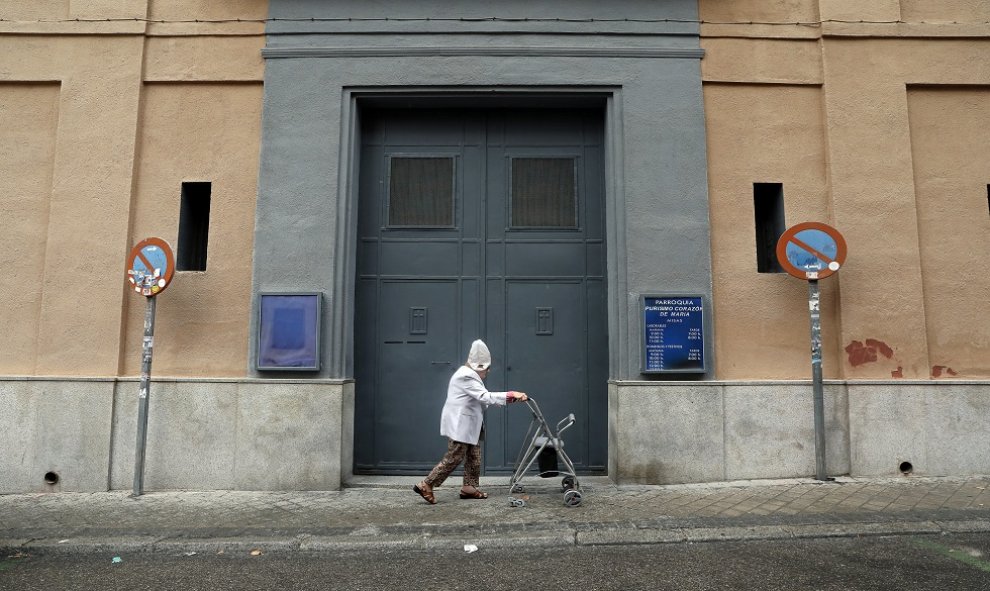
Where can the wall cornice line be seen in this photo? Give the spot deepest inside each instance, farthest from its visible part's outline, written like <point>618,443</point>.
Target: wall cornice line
<point>598,52</point>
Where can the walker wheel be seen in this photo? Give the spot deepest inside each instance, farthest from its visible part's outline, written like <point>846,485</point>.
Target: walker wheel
<point>567,483</point>
<point>517,488</point>
<point>516,502</point>
<point>572,498</point>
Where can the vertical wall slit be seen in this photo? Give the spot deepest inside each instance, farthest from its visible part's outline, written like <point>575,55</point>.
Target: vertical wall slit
<point>194,226</point>
<point>768,205</point>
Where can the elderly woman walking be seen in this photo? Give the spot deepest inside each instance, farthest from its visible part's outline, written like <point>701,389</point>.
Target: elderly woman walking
<point>462,422</point>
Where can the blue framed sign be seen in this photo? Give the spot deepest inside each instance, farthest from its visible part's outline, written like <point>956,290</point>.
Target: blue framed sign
<point>673,334</point>
<point>289,331</point>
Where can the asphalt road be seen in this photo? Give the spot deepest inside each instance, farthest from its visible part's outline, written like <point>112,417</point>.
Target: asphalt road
<point>915,563</point>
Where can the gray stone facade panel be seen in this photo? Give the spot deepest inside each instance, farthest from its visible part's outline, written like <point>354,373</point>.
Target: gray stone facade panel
<point>648,67</point>
<point>770,431</point>
<point>233,435</point>
<point>55,426</point>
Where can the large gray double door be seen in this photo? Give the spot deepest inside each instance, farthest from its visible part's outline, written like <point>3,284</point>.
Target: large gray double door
<point>486,224</point>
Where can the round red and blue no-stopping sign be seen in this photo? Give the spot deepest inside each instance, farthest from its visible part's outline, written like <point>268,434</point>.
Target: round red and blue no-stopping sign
<point>150,266</point>
<point>811,250</point>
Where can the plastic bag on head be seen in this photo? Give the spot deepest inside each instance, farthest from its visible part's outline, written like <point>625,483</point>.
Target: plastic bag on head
<point>479,357</point>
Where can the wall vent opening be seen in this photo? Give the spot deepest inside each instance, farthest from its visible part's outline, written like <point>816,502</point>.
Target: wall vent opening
<point>194,226</point>
<point>768,205</point>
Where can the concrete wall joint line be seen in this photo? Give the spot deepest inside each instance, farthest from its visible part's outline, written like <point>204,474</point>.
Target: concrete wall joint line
<point>725,429</point>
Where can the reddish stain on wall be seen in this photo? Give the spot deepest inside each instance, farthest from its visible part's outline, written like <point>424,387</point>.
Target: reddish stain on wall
<point>897,373</point>
<point>938,369</point>
<point>881,347</point>
<point>860,353</point>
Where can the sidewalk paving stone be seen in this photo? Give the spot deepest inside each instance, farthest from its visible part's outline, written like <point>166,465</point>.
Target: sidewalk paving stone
<point>380,513</point>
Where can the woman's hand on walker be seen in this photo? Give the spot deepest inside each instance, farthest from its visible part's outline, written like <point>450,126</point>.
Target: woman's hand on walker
<point>519,395</point>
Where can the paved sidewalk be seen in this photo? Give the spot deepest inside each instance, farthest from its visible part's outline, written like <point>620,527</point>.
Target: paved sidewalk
<point>380,513</point>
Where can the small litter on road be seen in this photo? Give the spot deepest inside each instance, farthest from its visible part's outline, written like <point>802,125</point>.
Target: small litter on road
<point>189,554</point>
<point>469,548</point>
<point>116,560</point>
<point>62,541</point>
<point>256,552</point>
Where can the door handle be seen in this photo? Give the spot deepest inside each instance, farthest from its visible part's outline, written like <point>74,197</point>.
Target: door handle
<point>439,363</point>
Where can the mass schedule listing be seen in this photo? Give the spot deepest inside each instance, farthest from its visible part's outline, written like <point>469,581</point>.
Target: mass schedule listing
<point>674,336</point>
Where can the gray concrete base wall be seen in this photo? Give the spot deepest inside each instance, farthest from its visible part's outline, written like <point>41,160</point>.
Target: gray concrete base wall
<point>676,432</point>
<point>55,426</point>
<point>941,430</point>
<point>202,435</point>
<point>297,434</point>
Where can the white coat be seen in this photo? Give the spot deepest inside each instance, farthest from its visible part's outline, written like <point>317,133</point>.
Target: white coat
<point>464,412</point>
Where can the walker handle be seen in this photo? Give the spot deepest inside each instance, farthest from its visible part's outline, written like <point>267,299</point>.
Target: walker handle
<point>561,426</point>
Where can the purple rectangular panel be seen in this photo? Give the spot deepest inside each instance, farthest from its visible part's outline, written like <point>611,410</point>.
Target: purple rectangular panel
<point>289,331</point>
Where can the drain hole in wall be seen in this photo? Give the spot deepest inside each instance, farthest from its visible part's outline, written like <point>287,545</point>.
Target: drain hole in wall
<point>906,468</point>
<point>51,478</point>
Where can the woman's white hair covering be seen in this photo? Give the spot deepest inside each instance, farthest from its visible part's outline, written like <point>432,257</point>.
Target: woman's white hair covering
<point>479,357</point>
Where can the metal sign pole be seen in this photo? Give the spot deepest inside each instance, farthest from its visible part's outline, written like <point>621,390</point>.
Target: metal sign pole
<point>142,427</point>
<point>150,267</point>
<point>814,305</point>
<point>813,251</point>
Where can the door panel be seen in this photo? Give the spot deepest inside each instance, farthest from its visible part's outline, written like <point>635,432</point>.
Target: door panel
<point>419,349</point>
<point>546,348</point>
<point>419,258</point>
<point>546,322</point>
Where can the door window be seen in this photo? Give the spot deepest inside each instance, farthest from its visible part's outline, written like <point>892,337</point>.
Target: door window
<point>421,192</point>
<point>544,193</point>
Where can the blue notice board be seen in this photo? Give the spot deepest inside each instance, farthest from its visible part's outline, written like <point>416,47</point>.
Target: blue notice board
<point>673,334</point>
<point>289,331</point>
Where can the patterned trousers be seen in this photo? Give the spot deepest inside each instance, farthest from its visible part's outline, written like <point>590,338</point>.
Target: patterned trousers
<point>456,453</point>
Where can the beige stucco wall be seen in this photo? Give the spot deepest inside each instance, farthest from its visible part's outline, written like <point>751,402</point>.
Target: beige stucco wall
<point>198,132</point>
<point>764,134</point>
<point>874,187</point>
<point>100,122</point>
<point>876,130</point>
<point>969,11</point>
<point>207,9</point>
<point>77,325</point>
<point>118,114</point>
<point>35,9</point>
<point>201,121</point>
<point>950,151</point>
<point>28,120</point>
<point>758,11</point>
<point>30,10</point>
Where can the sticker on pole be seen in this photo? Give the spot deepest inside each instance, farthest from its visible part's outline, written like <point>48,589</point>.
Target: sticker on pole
<point>150,266</point>
<point>811,250</point>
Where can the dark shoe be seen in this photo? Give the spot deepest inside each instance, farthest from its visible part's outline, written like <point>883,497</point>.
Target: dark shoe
<point>426,492</point>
